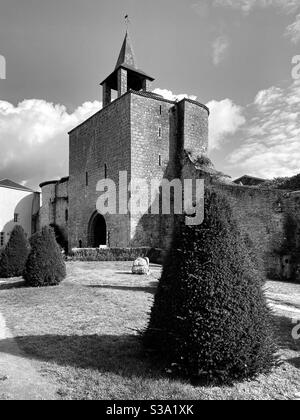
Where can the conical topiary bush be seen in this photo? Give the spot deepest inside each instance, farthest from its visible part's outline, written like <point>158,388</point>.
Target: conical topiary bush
<point>210,318</point>
<point>45,265</point>
<point>14,256</point>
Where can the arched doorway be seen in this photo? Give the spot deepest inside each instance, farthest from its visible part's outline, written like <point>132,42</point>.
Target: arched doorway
<point>97,231</point>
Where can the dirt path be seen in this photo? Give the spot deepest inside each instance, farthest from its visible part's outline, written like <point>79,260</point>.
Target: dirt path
<point>19,380</point>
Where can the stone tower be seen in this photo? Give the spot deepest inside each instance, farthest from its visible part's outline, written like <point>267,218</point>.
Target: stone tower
<point>126,75</point>
<point>139,132</point>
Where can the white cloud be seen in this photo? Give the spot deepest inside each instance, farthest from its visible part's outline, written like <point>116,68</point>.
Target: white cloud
<point>34,139</point>
<point>246,6</point>
<point>265,99</point>
<point>168,94</point>
<point>225,119</point>
<point>272,137</point>
<point>201,9</point>
<point>293,31</point>
<point>283,6</point>
<point>219,49</point>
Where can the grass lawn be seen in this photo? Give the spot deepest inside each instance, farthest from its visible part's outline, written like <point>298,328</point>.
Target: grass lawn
<point>83,335</point>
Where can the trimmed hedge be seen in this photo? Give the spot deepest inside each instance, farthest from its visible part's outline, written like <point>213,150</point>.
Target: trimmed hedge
<point>14,256</point>
<point>210,319</point>
<point>116,254</point>
<point>45,265</point>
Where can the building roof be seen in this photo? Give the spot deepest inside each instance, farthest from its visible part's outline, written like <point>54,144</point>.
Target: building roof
<point>248,179</point>
<point>7,183</point>
<point>112,79</point>
<point>126,55</point>
<point>127,61</point>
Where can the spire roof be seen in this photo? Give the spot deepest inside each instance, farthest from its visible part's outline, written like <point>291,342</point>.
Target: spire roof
<point>127,56</point>
<point>128,62</point>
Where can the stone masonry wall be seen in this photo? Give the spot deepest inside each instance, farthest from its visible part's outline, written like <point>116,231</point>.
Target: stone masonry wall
<point>102,140</point>
<point>150,144</point>
<point>269,222</point>
<point>160,130</point>
<point>262,216</point>
<point>55,206</point>
<point>195,128</point>
<point>47,208</point>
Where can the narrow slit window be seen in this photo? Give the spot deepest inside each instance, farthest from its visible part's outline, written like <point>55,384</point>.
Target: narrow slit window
<point>159,132</point>
<point>87,179</point>
<point>160,110</point>
<point>159,160</point>
<point>105,171</point>
<point>16,217</point>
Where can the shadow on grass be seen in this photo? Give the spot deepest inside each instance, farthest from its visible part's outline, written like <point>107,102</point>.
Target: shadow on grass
<point>129,273</point>
<point>121,355</point>
<point>15,284</point>
<point>118,354</point>
<point>147,289</point>
<point>295,362</point>
<point>125,273</point>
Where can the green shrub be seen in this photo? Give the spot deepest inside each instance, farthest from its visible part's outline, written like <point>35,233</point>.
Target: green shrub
<point>210,319</point>
<point>45,265</point>
<point>292,183</point>
<point>60,238</point>
<point>13,258</point>
<point>115,254</point>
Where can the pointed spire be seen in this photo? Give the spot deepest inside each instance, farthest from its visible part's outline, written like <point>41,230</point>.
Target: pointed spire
<point>127,55</point>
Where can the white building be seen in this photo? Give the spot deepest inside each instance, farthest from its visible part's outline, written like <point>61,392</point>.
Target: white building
<point>18,206</point>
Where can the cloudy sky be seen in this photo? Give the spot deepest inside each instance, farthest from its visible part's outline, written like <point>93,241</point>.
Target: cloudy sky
<point>234,55</point>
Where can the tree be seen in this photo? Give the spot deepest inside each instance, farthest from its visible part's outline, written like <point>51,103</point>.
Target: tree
<point>45,265</point>
<point>14,256</point>
<point>286,183</point>
<point>210,318</point>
